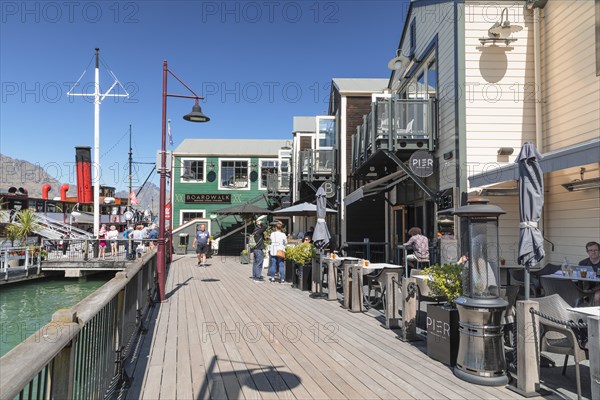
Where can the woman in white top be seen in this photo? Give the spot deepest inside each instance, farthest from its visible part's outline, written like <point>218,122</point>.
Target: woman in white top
<point>278,242</point>
<point>112,236</point>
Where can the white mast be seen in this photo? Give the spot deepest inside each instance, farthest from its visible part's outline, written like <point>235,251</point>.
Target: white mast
<point>98,97</point>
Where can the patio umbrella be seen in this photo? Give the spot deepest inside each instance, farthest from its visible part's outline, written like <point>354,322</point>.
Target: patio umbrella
<point>303,210</point>
<point>531,201</point>
<point>247,211</point>
<point>321,234</point>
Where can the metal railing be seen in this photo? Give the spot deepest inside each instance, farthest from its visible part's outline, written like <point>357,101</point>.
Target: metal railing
<point>395,124</point>
<point>317,163</point>
<point>20,258</point>
<point>81,353</point>
<point>375,252</point>
<point>85,250</point>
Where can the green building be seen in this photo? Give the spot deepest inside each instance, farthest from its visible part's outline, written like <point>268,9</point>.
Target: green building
<point>212,174</point>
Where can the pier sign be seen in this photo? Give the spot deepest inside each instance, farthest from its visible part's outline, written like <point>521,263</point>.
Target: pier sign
<point>207,198</point>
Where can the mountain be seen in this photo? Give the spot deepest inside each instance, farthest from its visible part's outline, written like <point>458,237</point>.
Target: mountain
<point>21,173</point>
<point>148,197</point>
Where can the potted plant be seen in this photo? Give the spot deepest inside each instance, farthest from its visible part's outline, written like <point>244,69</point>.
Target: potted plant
<point>300,257</point>
<point>442,320</point>
<point>245,257</point>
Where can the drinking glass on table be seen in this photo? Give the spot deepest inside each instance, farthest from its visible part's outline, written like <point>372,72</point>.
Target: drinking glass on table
<point>583,273</point>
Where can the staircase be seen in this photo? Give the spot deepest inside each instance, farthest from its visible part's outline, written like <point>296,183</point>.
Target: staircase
<point>56,230</point>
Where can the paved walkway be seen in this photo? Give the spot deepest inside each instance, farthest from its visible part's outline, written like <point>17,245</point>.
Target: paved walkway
<point>221,335</point>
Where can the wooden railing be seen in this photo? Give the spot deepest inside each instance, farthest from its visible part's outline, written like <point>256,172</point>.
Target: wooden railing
<point>81,353</point>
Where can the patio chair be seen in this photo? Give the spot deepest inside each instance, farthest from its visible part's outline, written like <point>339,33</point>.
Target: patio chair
<point>557,336</point>
<point>570,292</point>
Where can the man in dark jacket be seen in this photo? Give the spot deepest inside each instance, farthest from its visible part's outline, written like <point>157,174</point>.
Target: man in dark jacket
<point>258,251</point>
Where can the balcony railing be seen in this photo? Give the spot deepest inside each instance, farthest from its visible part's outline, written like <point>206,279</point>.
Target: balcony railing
<point>317,164</point>
<point>398,125</point>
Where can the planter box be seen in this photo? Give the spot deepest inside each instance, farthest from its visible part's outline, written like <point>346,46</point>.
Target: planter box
<point>289,271</point>
<point>302,277</point>
<point>442,333</point>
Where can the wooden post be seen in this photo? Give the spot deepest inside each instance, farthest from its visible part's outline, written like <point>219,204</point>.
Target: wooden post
<point>331,281</point>
<point>409,310</point>
<point>347,281</point>
<point>594,352</point>
<point>63,368</point>
<point>357,289</point>
<point>528,363</point>
<point>392,300</point>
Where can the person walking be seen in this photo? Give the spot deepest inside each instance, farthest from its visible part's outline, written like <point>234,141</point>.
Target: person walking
<point>201,242</point>
<point>277,251</point>
<point>258,251</point>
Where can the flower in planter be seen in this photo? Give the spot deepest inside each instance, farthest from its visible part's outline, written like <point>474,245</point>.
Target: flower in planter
<point>445,281</point>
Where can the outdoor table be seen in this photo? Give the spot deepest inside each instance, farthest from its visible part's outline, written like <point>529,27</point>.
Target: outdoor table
<point>333,264</point>
<point>506,269</point>
<point>592,311</point>
<point>380,272</point>
<point>575,277</point>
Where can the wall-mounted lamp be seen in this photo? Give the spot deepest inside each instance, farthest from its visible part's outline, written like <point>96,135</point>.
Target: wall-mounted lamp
<point>583,184</point>
<point>506,151</point>
<point>501,31</point>
<point>448,155</point>
<point>211,165</point>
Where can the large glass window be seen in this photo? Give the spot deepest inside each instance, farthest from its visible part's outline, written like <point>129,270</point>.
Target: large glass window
<point>267,167</point>
<point>234,174</point>
<point>326,133</point>
<point>193,171</point>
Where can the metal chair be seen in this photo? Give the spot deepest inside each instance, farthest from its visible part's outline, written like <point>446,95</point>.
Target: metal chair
<point>556,332</point>
<point>568,290</point>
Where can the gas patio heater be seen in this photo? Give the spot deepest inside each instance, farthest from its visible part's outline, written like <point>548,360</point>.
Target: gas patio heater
<point>480,357</point>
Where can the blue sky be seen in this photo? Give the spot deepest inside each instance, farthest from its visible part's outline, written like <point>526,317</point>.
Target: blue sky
<point>257,63</point>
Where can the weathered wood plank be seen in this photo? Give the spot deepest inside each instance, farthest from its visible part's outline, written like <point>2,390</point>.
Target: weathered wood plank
<point>224,336</point>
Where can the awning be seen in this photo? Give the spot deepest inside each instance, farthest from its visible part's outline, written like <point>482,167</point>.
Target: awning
<point>380,185</point>
<point>572,156</point>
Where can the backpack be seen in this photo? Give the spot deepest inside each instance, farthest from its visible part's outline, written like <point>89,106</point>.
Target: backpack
<point>252,242</point>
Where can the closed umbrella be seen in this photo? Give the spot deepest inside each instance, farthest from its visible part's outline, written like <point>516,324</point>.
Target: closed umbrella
<point>321,234</point>
<point>531,201</point>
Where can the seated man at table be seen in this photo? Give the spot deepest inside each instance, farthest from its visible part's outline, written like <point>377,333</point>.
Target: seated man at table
<point>419,244</point>
<point>593,260</point>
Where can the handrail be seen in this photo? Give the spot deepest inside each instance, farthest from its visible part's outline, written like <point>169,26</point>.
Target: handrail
<point>47,354</point>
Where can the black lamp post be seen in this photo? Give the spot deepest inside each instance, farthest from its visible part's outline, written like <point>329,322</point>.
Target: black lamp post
<point>195,116</point>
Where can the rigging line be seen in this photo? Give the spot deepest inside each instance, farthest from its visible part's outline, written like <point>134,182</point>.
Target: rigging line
<point>148,177</point>
<point>139,162</point>
<point>83,73</point>
<point>115,145</point>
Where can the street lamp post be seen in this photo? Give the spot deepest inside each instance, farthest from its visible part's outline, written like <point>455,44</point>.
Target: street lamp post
<point>195,116</point>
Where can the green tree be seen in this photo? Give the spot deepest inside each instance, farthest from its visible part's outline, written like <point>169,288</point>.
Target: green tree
<point>25,223</point>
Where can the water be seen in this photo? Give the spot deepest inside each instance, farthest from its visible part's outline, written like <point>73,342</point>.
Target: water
<point>27,307</point>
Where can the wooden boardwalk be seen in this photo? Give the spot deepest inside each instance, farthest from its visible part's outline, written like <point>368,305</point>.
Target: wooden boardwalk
<point>221,335</point>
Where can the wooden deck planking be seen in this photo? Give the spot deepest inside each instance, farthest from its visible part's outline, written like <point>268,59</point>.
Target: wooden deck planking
<point>363,359</point>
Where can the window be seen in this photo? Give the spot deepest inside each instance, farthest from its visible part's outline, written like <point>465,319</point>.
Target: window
<point>187,216</point>
<point>267,167</point>
<point>234,174</point>
<point>413,38</point>
<point>193,170</point>
<point>326,133</point>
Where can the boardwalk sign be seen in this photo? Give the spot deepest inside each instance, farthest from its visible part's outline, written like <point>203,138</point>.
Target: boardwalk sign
<point>207,198</point>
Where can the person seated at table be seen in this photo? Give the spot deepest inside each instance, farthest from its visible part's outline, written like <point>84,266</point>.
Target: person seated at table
<point>483,274</point>
<point>309,235</point>
<point>593,260</point>
<point>420,246</point>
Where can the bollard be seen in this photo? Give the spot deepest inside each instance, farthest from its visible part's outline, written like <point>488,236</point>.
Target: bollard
<point>528,362</point>
<point>392,300</point>
<point>347,282</point>
<point>331,281</point>
<point>409,310</point>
